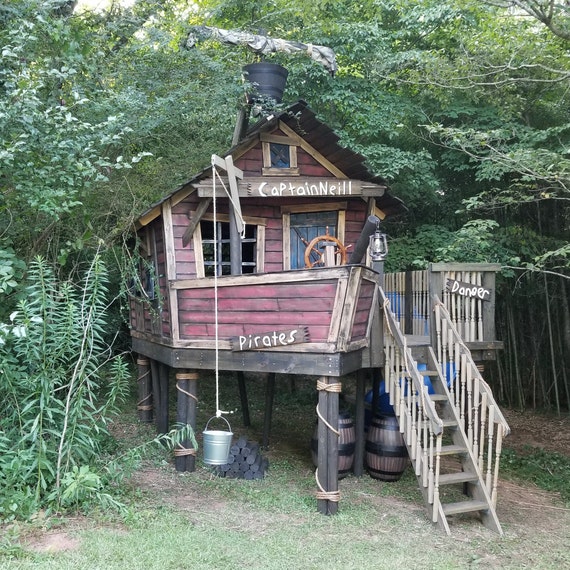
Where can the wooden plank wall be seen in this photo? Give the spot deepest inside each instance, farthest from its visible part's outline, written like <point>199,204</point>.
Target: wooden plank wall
<point>363,310</point>
<point>270,210</point>
<point>250,309</point>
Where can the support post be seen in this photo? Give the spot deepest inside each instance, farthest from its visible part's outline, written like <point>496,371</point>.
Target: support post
<point>155,380</point>
<point>144,404</point>
<point>376,378</point>
<point>358,466</point>
<point>186,389</point>
<point>269,395</point>
<point>243,398</point>
<point>327,458</point>
<point>408,303</point>
<point>162,422</point>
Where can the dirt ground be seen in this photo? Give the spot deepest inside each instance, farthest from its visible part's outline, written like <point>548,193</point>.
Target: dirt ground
<point>551,433</point>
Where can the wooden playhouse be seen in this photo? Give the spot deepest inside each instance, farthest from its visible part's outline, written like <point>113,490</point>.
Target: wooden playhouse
<point>261,264</point>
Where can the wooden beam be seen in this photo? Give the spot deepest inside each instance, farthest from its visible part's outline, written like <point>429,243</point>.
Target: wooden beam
<point>358,466</point>
<point>144,404</point>
<point>327,456</point>
<point>170,260</point>
<point>243,399</point>
<point>196,216</point>
<point>162,420</point>
<point>310,363</point>
<point>269,397</point>
<point>186,391</point>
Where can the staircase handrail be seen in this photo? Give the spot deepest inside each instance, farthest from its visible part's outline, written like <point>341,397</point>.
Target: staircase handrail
<point>440,311</point>
<point>395,331</point>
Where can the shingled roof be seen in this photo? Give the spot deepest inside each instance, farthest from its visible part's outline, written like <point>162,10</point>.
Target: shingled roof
<point>303,120</point>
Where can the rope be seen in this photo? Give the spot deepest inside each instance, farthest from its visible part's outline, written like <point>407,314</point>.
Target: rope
<point>334,387</point>
<point>217,350</point>
<point>185,392</point>
<point>217,354</point>
<point>229,194</point>
<point>325,495</point>
<point>141,406</point>
<point>184,451</point>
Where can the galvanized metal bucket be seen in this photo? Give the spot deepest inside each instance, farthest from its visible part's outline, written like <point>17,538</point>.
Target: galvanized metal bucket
<point>216,444</point>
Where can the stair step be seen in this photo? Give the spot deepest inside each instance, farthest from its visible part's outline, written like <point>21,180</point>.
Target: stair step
<point>458,477</point>
<point>453,449</point>
<point>464,507</point>
<point>449,423</point>
<point>438,397</point>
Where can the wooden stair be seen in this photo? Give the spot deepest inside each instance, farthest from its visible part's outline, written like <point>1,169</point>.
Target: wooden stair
<point>460,477</point>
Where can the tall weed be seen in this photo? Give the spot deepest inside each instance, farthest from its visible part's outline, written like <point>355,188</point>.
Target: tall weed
<point>59,385</point>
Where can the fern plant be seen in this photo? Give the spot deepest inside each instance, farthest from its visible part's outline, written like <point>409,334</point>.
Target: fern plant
<point>59,383</point>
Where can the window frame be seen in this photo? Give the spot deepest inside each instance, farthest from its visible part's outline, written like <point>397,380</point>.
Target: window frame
<point>198,242</point>
<point>286,211</point>
<point>268,170</point>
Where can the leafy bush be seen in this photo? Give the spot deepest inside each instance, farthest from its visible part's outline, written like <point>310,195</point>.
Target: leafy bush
<point>59,386</point>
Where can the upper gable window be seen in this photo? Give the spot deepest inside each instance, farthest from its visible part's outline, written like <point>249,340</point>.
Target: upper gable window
<point>279,156</point>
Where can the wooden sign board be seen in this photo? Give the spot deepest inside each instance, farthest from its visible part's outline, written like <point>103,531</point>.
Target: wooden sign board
<point>273,339</point>
<point>288,187</point>
<point>468,290</point>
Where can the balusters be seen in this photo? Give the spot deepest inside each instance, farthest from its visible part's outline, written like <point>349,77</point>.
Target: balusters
<point>469,387</point>
<point>431,471</point>
<point>476,388</point>
<point>479,303</point>
<point>462,388</point>
<point>498,449</point>
<point>482,434</point>
<point>436,479</point>
<point>490,446</point>
<point>439,340</point>
<point>425,458</point>
<point>414,412</point>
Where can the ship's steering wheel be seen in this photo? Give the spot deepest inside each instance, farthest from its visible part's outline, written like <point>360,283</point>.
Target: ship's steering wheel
<point>316,248</point>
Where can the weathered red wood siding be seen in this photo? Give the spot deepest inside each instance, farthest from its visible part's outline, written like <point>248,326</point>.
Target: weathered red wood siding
<point>248,309</point>
<point>363,310</point>
<point>268,209</point>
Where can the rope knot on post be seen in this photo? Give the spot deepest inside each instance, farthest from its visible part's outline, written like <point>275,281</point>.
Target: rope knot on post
<point>335,387</point>
<point>182,451</point>
<point>333,496</point>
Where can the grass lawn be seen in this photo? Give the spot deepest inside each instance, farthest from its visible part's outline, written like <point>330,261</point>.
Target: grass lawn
<point>197,520</point>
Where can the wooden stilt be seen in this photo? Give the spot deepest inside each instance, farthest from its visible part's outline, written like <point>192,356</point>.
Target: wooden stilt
<point>327,457</point>
<point>144,404</point>
<point>358,466</point>
<point>376,378</point>
<point>155,382</point>
<point>186,390</point>
<point>243,399</point>
<point>269,395</point>
<point>162,422</point>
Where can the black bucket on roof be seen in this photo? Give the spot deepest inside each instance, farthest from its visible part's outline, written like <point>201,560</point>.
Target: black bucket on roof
<point>268,80</point>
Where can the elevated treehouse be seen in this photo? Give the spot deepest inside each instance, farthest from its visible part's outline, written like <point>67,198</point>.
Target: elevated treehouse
<point>256,265</point>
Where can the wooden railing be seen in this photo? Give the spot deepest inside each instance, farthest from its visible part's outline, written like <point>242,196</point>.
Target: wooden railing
<point>408,292</point>
<point>483,422</point>
<point>420,424</point>
<point>456,284</point>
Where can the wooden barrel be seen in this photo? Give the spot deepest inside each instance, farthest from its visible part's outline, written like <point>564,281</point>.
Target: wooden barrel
<point>386,453</point>
<point>346,444</point>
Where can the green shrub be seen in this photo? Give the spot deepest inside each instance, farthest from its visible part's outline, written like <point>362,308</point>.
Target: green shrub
<point>60,384</point>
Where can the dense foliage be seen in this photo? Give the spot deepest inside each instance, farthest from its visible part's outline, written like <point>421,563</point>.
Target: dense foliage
<point>463,106</point>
